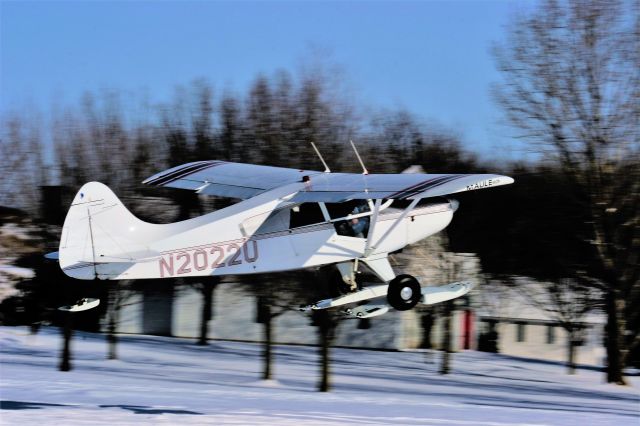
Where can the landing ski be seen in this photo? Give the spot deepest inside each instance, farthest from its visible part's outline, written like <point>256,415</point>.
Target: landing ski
<point>433,295</point>
<point>358,296</point>
<point>430,295</point>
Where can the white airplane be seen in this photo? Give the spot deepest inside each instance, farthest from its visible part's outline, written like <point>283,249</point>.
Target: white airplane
<point>288,219</point>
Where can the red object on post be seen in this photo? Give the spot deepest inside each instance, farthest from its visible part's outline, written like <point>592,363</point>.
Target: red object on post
<point>467,329</point>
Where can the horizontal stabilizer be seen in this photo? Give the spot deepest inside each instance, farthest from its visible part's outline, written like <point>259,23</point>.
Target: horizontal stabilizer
<point>54,255</point>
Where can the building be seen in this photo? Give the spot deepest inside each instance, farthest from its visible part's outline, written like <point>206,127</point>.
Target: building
<point>526,324</point>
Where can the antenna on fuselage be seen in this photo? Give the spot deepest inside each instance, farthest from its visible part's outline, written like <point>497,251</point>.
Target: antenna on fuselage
<point>364,169</point>
<point>326,168</point>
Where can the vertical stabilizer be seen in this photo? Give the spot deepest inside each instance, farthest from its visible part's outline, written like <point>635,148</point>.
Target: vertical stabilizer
<point>100,237</point>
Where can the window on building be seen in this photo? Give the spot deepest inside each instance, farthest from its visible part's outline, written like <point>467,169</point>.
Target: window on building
<point>520,332</point>
<point>551,334</point>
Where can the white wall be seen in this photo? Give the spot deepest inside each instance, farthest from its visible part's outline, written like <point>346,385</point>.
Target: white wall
<point>536,346</point>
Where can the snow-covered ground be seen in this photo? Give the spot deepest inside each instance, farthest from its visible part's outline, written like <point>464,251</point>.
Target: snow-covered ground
<point>172,381</point>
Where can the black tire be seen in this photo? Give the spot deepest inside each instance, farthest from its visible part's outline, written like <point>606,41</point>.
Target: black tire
<point>404,292</point>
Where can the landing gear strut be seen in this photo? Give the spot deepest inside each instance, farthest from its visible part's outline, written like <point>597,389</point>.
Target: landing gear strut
<point>345,281</point>
<point>404,292</point>
<point>339,287</point>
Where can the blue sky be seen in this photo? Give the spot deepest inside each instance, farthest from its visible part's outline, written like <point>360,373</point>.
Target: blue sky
<point>431,58</point>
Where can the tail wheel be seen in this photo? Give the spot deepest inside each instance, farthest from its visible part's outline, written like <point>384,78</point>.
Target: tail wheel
<point>404,292</point>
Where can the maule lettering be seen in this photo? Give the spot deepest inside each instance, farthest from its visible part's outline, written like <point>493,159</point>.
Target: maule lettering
<point>484,184</point>
<point>210,258</point>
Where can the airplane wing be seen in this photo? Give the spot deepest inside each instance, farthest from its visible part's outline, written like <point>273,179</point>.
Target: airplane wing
<point>239,180</point>
<point>224,179</point>
<point>336,187</point>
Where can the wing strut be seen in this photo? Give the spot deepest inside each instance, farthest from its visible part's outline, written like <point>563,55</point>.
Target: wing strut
<point>326,168</point>
<point>374,220</point>
<point>364,169</point>
<point>405,212</point>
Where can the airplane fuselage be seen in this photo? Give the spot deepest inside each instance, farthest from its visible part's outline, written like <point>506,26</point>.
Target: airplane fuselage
<point>252,236</point>
<point>301,247</point>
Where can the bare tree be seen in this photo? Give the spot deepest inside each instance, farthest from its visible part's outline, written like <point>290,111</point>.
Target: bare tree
<point>572,87</point>
<point>230,134</point>
<point>447,312</point>
<point>22,166</point>
<point>206,288</point>
<point>276,294</point>
<point>451,266</point>
<point>265,316</point>
<point>567,301</point>
<point>202,121</point>
<point>327,322</point>
<point>283,114</point>
<point>119,295</point>
<point>262,123</point>
<point>67,333</point>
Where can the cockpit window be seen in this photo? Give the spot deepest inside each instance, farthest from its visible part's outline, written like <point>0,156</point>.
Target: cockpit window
<point>357,227</point>
<point>310,213</point>
<point>306,214</point>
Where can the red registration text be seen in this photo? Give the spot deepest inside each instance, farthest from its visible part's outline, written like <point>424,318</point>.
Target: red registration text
<point>208,258</point>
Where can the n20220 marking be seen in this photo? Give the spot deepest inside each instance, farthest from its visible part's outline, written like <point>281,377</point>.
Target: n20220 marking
<point>218,256</point>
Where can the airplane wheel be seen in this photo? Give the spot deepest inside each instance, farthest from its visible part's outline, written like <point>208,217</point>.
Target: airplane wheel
<point>404,292</point>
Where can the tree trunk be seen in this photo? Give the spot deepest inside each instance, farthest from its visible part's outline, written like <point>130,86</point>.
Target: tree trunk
<point>325,385</point>
<point>268,339</point>
<point>326,328</point>
<point>426,321</point>
<point>446,339</point>
<point>34,327</point>
<point>65,363</point>
<point>614,337</point>
<point>111,337</point>
<point>207,305</point>
<point>113,311</point>
<point>571,348</point>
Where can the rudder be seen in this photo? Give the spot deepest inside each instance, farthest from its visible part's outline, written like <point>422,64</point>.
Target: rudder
<point>100,237</point>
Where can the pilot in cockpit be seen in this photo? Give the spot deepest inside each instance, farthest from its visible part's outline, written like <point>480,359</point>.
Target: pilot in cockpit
<point>360,225</point>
